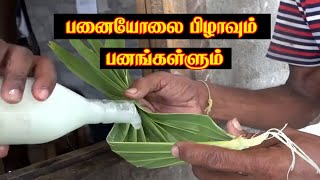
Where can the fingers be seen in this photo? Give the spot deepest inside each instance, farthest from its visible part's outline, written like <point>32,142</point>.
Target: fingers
<point>3,51</point>
<point>217,158</point>
<point>18,62</point>
<point>291,133</point>
<point>4,151</point>
<point>143,86</point>
<point>234,128</point>
<point>146,105</point>
<point>45,78</point>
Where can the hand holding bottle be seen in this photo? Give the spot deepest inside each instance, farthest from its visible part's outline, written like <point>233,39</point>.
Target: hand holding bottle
<point>34,122</point>
<point>16,64</point>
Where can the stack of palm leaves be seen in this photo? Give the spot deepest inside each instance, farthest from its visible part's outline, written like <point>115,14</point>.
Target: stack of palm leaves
<point>149,146</point>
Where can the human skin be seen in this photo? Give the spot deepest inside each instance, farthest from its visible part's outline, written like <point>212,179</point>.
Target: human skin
<point>270,160</point>
<point>297,102</point>
<point>17,63</point>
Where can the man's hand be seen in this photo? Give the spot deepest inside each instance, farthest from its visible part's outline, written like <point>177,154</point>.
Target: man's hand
<point>167,93</point>
<point>270,160</point>
<point>16,64</point>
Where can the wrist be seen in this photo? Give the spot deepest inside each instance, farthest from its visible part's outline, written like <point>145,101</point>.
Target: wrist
<point>203,94</point>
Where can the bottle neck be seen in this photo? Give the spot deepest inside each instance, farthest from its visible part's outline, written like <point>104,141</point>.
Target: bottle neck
<point>108,112</point>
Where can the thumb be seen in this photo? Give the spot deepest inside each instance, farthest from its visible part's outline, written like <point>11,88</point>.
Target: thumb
<point>145,85</point>
<point>234,128</point>
<point>212,157</point>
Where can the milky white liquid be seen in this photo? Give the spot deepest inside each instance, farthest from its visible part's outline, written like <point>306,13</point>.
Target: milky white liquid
<point>34,122</point>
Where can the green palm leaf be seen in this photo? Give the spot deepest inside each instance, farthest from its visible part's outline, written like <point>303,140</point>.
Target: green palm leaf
<point>149,146</point>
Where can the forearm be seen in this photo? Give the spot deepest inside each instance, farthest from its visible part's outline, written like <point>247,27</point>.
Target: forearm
<point>273,107</point>
<point>8,28</point>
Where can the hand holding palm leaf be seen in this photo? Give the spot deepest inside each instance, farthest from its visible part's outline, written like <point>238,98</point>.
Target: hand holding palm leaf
<point>150,146</point>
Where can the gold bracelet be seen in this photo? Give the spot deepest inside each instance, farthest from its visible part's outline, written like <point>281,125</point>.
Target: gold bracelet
<point>210,102</point>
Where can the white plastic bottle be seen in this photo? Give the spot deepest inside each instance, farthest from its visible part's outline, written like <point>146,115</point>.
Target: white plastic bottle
<point>34,122</point>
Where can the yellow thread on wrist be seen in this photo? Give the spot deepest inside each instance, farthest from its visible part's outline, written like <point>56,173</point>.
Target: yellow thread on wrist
<point>210,102</point>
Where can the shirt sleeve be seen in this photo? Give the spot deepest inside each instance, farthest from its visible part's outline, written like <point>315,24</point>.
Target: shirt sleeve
<point>293,40</point>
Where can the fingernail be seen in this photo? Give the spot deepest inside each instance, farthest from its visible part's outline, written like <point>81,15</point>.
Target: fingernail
<point>14,95</point>
<point>236,124</point>
<point>175,151</point>
<point>132,90</point>
<point>43,94</point>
